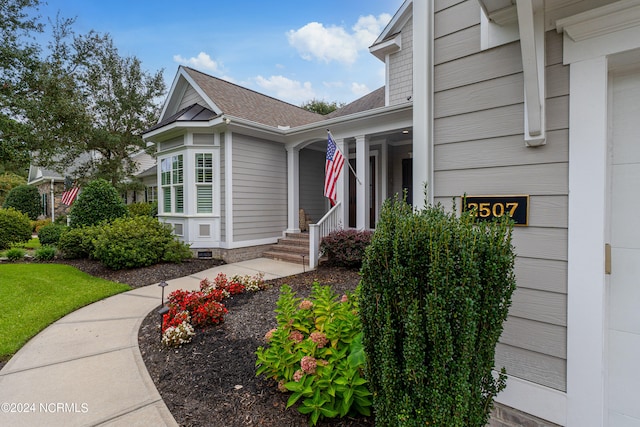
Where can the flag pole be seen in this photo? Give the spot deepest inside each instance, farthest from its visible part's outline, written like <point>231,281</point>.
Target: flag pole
<point>346,158</point>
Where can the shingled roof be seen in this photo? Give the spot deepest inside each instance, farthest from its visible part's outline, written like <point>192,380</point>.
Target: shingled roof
<point>241,102</point>
<point>370,101</point>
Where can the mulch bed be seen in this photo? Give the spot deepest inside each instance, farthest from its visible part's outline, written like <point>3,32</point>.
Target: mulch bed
<point>212,380</point>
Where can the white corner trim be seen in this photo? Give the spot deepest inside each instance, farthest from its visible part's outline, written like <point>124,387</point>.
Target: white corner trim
<point>228,186</point>
<point>494,35</point>
<point>542,402</point>
<point>532,45</point>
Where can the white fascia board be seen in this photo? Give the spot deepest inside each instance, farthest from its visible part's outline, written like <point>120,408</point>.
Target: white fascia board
<point>387,47</point>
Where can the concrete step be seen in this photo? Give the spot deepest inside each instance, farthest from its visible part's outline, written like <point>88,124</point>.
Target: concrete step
<point>286,256</point>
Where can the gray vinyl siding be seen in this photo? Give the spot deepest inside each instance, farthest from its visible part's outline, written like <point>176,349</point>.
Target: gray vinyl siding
<point>191,97</point>
<point>401,68</point>
<point>312,198</point>
<point>479,149</point>
<point>259,188</point>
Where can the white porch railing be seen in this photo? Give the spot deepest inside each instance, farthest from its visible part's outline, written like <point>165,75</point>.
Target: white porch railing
<point>329,222</point>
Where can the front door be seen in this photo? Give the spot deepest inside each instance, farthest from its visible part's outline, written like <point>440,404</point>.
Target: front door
<point>623,397</point>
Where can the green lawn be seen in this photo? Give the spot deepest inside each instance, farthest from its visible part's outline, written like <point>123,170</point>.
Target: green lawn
<point>32,296</point>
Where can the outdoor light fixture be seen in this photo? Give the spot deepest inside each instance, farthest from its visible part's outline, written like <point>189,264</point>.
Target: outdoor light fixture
<point>163,308</point>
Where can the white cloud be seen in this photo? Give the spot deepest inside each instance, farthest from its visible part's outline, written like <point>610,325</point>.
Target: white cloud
<point>326,44</point>
<point>201,62</point>
<point>286,89</point>
<point>333,84</point>
<point>359,89</point>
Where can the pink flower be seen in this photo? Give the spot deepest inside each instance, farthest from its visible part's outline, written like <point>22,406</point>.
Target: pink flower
<point>297,376</point>
<point>296,336</point>
<point>308,364</point>
<point>344,298</point>
<point>319,338</point>
<point>306,305</point>
<point>269,335</point>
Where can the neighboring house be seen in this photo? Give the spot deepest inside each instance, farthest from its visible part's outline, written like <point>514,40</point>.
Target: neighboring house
<point>482,97</point>
<point>51,184</point>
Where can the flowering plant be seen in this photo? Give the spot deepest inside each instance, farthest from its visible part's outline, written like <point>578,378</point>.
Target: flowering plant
<point>175,336</point>
<point>316,353</point>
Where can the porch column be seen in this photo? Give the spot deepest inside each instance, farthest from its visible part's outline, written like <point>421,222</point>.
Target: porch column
<point>343,184</point>
<point>362,188</point>
<point>384,175</point>
<point>293,189</point>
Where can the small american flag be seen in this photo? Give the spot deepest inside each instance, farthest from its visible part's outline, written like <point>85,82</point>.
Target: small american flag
<point>70,195</point>
<point>332,169</point>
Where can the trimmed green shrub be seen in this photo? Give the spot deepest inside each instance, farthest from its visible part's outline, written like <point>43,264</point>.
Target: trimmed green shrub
<point>50,234</point>
<point>60,220</point>
<point>15,227</point>
<point>8,181</point>
<point>97,202</point>
<point>26,199</point>
<point>138,242</point>
<point>15,254</point>
<point>39,223</point>
<point>45,253</point>
<point>435,292</point>
<point>346,248</point>
<point>77,242</point>
<point>140,209</point>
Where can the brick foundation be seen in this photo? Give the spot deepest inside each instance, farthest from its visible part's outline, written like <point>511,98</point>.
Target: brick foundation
<point>504,416</point>
<point>235,255</point>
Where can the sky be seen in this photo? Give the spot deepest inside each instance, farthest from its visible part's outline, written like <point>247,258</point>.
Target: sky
<point>294,50</point>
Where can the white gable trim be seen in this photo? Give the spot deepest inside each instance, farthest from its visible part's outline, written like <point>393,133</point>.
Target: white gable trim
<point>178,88</point>
<point>398,21</point>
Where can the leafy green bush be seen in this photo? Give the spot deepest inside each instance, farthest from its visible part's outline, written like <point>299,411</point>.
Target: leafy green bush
<point>97,202</point>
<point>26,199</point>
<point>15,227</point>
<point>45,253</point>
<point>140,209</point>
<point>50,234</point>
<point>316,352</point>
<point>60,220</point>
<point>39,223</point>
<point>435,292</point>
<point>15,254</point>
<point>8,181</point>
<point>77,242</point>
<point>138,242</point>
<point>346,247</point>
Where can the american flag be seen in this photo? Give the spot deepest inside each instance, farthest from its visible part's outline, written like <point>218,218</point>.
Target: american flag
<point>332,169</point>
<point>70,195</point>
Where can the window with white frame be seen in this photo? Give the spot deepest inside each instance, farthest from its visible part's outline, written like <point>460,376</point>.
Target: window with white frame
<point>172,182</point>
<point>204,183</point>
<point>151,193</point>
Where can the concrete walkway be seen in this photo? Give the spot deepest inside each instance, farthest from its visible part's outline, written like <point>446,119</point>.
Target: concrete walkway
<point>86,368</point>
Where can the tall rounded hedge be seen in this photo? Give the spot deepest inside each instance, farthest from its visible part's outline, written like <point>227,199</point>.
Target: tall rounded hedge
<point>15,227</point>
<point>436,290</point>
<point>26,199</point>
<point>98,201</point>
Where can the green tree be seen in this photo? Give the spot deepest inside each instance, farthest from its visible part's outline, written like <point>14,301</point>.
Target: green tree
<point>8,181</point>
<point>321,106</point>
<point>18,56</point>
<point>82,105</point>
<point>98,201</point>
<point>26,199</point>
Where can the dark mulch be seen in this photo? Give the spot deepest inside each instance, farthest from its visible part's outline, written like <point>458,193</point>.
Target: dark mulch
<point>212,381</point>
